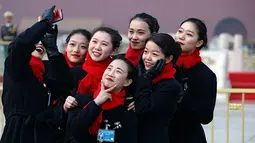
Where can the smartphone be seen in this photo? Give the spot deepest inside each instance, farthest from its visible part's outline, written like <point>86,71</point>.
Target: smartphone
<point>58,15</point>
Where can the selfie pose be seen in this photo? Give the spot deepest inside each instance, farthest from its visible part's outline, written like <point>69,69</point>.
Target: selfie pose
<point>27,87</point>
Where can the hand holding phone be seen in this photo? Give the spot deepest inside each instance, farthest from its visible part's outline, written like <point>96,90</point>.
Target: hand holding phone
<point>57,15</point>
<point>53,15</point>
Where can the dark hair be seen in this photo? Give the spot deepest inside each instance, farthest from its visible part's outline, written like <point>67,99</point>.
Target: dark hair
<point>201,29</point>
<point>131,67</point>
<point>115,36</point>
<point>167,44</point>
<point>83,32</point>
<point>150,20</point>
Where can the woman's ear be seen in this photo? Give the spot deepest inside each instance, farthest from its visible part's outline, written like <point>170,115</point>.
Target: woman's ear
<point>199,43</point>
<point>114,52</point>
<point>65,46</point>
<point>169,59</point>
<point>128,82</point>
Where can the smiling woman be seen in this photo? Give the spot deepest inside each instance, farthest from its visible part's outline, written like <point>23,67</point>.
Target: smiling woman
<point>104,117</point>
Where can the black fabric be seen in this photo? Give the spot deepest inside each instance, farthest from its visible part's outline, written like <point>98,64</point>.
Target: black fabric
<point>155,105</point>
<point>196,107</point>
<point>29,118</point>
<point>80,119</point>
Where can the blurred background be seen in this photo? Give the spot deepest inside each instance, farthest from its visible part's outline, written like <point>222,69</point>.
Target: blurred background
<point>230,52</point>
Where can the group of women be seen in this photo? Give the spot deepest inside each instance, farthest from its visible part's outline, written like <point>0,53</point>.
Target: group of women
<point>158,91</point>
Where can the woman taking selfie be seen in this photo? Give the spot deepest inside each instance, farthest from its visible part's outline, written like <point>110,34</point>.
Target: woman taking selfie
<point>157,90</point>
<point>104,118</point>
<point>29,115</point>
<point>199,83</point>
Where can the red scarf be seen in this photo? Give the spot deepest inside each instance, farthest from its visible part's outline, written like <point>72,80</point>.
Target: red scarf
<point>133,54</point>
<point>37,67</point>
<point>71,64</point>
<point>118,99</point>
<point>95,72</point>
<point>167,73</point>
<point>189,60</point>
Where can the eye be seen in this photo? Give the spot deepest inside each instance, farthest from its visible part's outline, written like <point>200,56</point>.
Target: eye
<point>72,44</point>
<point>140,33</point>
<point>154,54</point>
<point>179,31</point>
<point>190,35</point>
<point>105,44</point>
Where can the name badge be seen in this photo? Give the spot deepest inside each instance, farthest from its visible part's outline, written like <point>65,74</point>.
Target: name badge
<point>105,135</point>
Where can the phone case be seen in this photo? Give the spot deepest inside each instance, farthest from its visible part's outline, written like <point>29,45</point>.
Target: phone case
<point>58,15</point>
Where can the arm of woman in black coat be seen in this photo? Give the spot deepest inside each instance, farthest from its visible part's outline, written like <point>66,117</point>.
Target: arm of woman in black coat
<point>60,80</point>
<point>80,118</point>
<point>17,62</point>
<point>200,106</point>
<point>159,100</point>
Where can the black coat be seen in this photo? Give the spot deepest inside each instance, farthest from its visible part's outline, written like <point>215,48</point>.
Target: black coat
<point>29,118</point>
<point>155,105</point>
<point>196,107</point>
<point>80,120</point>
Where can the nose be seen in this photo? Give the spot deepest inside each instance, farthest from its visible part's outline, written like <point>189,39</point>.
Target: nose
<point>181,36</point>
<point>111,73</point>
<point>98,47</point>
<point>147,57</point>
<point>76,49</point>
<point>134,36</point>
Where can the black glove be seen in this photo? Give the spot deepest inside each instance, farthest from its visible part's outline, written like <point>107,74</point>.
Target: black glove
<point>50,42</point>
<point>155,70</point>
<point>48,14</point>
<point>140,66</point>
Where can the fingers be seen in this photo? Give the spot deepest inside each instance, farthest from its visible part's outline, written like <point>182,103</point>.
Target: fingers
<point>39,18</point>
<point>102,85</point>
<point>110,89</point>
<point>71,101</point>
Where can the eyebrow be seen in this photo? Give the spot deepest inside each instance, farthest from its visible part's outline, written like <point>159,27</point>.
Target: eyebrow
<point>77,42</point>
<point>187,30</point>
<point>121,69</point>
<point>102,40</point>
<point>137,29</point>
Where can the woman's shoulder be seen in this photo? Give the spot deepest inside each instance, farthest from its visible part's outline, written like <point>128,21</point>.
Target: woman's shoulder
<point>202,71</point>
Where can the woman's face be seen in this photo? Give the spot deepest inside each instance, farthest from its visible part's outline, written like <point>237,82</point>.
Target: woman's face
<point>100,46</point>
<point>39,51</point>
<point>76,48</point>
<point>138,33</point>
<point>116,75</point>
<point>153,53</point>
<point>187,36</point>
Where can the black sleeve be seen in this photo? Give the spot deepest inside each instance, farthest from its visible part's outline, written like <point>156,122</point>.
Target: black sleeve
<point>60,83</point>
<point>18,60</point>
<point>162,99</point>
<point>202,108</point>
<point>80,121</point>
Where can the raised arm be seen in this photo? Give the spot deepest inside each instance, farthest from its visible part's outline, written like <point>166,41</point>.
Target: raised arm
<point>17,61</point>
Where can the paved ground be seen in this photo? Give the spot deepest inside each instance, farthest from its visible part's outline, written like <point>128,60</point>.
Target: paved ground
<point>235,125</point>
